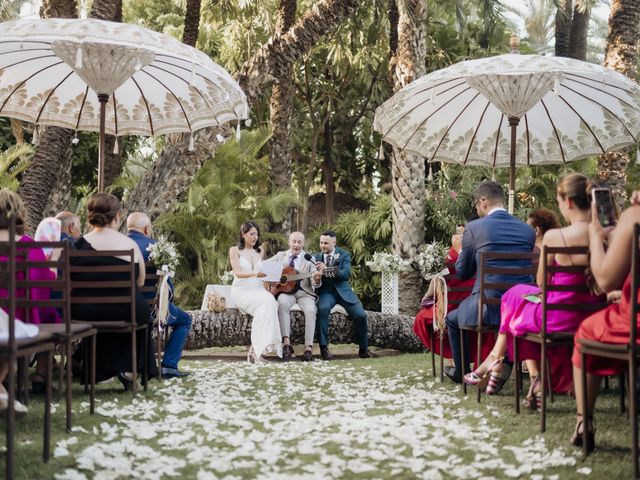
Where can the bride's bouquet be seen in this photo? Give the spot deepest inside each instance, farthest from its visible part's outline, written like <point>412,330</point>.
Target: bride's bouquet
<point>431,258</point>
<point>162,253</point>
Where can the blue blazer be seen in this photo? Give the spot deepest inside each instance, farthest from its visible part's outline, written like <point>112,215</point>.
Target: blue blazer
<point>340,283</point>
<point>498,232</point>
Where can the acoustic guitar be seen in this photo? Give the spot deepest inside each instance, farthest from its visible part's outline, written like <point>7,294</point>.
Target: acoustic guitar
<point>290,280</point>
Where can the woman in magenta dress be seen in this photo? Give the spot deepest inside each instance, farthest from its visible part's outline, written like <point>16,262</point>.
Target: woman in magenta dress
<point>11,204</point>
<point>612,271</point>
<point>519,315</point>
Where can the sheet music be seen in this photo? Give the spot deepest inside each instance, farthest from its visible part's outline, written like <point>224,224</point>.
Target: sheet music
<point>272,269</point>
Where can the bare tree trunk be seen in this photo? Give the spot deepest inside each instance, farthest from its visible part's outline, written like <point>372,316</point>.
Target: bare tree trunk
<point>579,32</point>
<point>408,196</point>
<point>328,170</point>
<point>233,328</point>
<point>563,27</point>
<point>45,185</point>
<point>621,54</point>
<point>281,111</point>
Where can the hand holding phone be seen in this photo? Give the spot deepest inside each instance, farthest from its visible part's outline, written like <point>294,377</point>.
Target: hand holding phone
<point>459,228</point>
<point>603,201</point>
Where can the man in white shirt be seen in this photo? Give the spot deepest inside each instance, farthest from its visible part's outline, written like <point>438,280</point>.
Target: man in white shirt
<point>303,293</point>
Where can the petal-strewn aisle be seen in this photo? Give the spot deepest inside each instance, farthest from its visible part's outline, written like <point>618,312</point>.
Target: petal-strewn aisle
<point>319,420</point>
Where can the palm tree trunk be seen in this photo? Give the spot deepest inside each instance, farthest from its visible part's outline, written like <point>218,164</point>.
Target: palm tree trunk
<point>328,170</point>
<point>281,111</point>
<point>408,195</point>
<point>563,27</point>
<point>191,23</point>
<point>46,183</point>
<point>579,31</point>
<point>620,54</point>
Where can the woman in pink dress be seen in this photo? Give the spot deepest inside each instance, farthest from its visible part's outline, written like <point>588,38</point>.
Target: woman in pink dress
<point>11,204</point>
<point>519,315</point>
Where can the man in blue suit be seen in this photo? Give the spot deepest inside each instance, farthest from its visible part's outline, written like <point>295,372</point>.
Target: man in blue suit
<point>335,289</point>
<point>139,230</point>
<point>494,231</point>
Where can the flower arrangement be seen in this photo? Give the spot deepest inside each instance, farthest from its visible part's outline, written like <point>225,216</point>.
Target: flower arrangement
<point>226,278</point>
<point>431,258</point>
<point>388,262</point>
<point>163,252</point>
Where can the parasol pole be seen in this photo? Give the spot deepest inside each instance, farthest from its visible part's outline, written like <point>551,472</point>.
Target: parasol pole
<point>513,123</point>
<point>102,98</point>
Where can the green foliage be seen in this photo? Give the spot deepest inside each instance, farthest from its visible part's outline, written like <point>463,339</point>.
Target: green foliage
<point>13,162</point>
<point>229,189</point>
<point>362,234</point>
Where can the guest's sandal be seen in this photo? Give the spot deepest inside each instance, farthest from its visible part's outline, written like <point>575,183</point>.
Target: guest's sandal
<point>497,381</point>
<point>478,379</point>
<point>576,438</point>
<point>533,400</point>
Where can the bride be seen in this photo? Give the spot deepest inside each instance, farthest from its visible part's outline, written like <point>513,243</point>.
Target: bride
<point>249,295</point>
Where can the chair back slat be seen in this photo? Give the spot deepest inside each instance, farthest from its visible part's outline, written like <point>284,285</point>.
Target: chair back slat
<point>8,277</point>
<point>151,284</point>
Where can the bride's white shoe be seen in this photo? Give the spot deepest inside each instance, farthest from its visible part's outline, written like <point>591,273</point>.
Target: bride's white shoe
<point>253,359</point>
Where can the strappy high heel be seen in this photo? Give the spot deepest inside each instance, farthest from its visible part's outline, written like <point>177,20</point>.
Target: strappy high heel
<point>576,438</point>
<point>497,380</point>
<point>479,380</point>
<point>533,400</point>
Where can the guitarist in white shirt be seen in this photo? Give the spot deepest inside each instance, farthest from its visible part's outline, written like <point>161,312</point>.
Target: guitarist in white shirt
<point>304,295</point>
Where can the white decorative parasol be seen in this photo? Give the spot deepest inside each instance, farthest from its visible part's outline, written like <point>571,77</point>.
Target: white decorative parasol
<point>513,109</point>
<point>114,78</point>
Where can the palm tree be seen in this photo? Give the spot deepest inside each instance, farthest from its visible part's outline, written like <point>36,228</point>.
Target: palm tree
<point>580,29</point>
<point>563,27</point>
<point>621,54</point>
<point>408,173</point>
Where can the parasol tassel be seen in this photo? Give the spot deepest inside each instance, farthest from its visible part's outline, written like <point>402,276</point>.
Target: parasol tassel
<point>430,177</point>
<point>115,147</point>
<point>247,122</point>
<point>79,58</point>
<point>556,86</point>
<point>75,140</point>
<point>238,131</point>
<point>381,152</point>
<point>191,143</point>
<point>34,139</point>
<point>493,174</point>
<point>220,137</point>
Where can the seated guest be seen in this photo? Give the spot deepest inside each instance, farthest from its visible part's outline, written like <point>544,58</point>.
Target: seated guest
<point>11,204</point>
<point>520,316</point>
<point>139,230</point>
<point>494,231</point>
<point>541,220</point>
<point>70,227</point>
<point>113,351</point>
<point>611,269</point>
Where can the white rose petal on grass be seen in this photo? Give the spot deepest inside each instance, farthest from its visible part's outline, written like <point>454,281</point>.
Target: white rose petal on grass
<point>584,470</point>
<point>70,474</point>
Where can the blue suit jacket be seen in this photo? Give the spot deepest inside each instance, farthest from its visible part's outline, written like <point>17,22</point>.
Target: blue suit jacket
<point>340,282</point>
<point>498,232</point>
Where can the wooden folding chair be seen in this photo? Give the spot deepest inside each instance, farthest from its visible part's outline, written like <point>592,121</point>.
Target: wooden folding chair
<point>15,349</point>
<point>118,278</point>
<point>553,339</point>
<point>628,352</point>
<point>515,273</point>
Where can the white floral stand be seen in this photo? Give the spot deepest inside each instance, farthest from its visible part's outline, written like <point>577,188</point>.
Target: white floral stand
<point>388,290</point>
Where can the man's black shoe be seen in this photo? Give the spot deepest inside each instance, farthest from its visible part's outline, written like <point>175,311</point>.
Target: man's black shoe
<point>287,353</point>
<point>367,354</point>
<point>325,353</point>
<point>453,374</point>
<point>307,356</point>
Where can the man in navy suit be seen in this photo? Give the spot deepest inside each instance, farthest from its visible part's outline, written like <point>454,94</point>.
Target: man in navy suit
<point>335,289</point>
<point>139,230</point>
<point>494,231</point>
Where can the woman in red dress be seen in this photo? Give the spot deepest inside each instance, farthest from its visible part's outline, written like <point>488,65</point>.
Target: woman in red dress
<point>611,270</point>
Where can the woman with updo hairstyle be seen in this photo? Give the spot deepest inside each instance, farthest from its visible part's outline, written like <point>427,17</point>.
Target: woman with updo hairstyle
<point>520,313</point>
<point>113,350</point>
<point>11,205</point>
<point>250,296</point>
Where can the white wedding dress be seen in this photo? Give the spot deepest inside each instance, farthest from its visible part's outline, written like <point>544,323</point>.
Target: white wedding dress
<point>251,297</point>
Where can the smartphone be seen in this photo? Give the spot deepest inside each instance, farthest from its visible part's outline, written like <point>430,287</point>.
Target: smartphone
<point>532,298</point>
<point>604,206</point>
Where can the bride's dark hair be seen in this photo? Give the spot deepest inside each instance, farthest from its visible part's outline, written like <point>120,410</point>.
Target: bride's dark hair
<point>244,228</point>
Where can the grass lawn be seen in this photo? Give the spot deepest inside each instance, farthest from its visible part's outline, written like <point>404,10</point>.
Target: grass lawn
<point>378,418</point>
